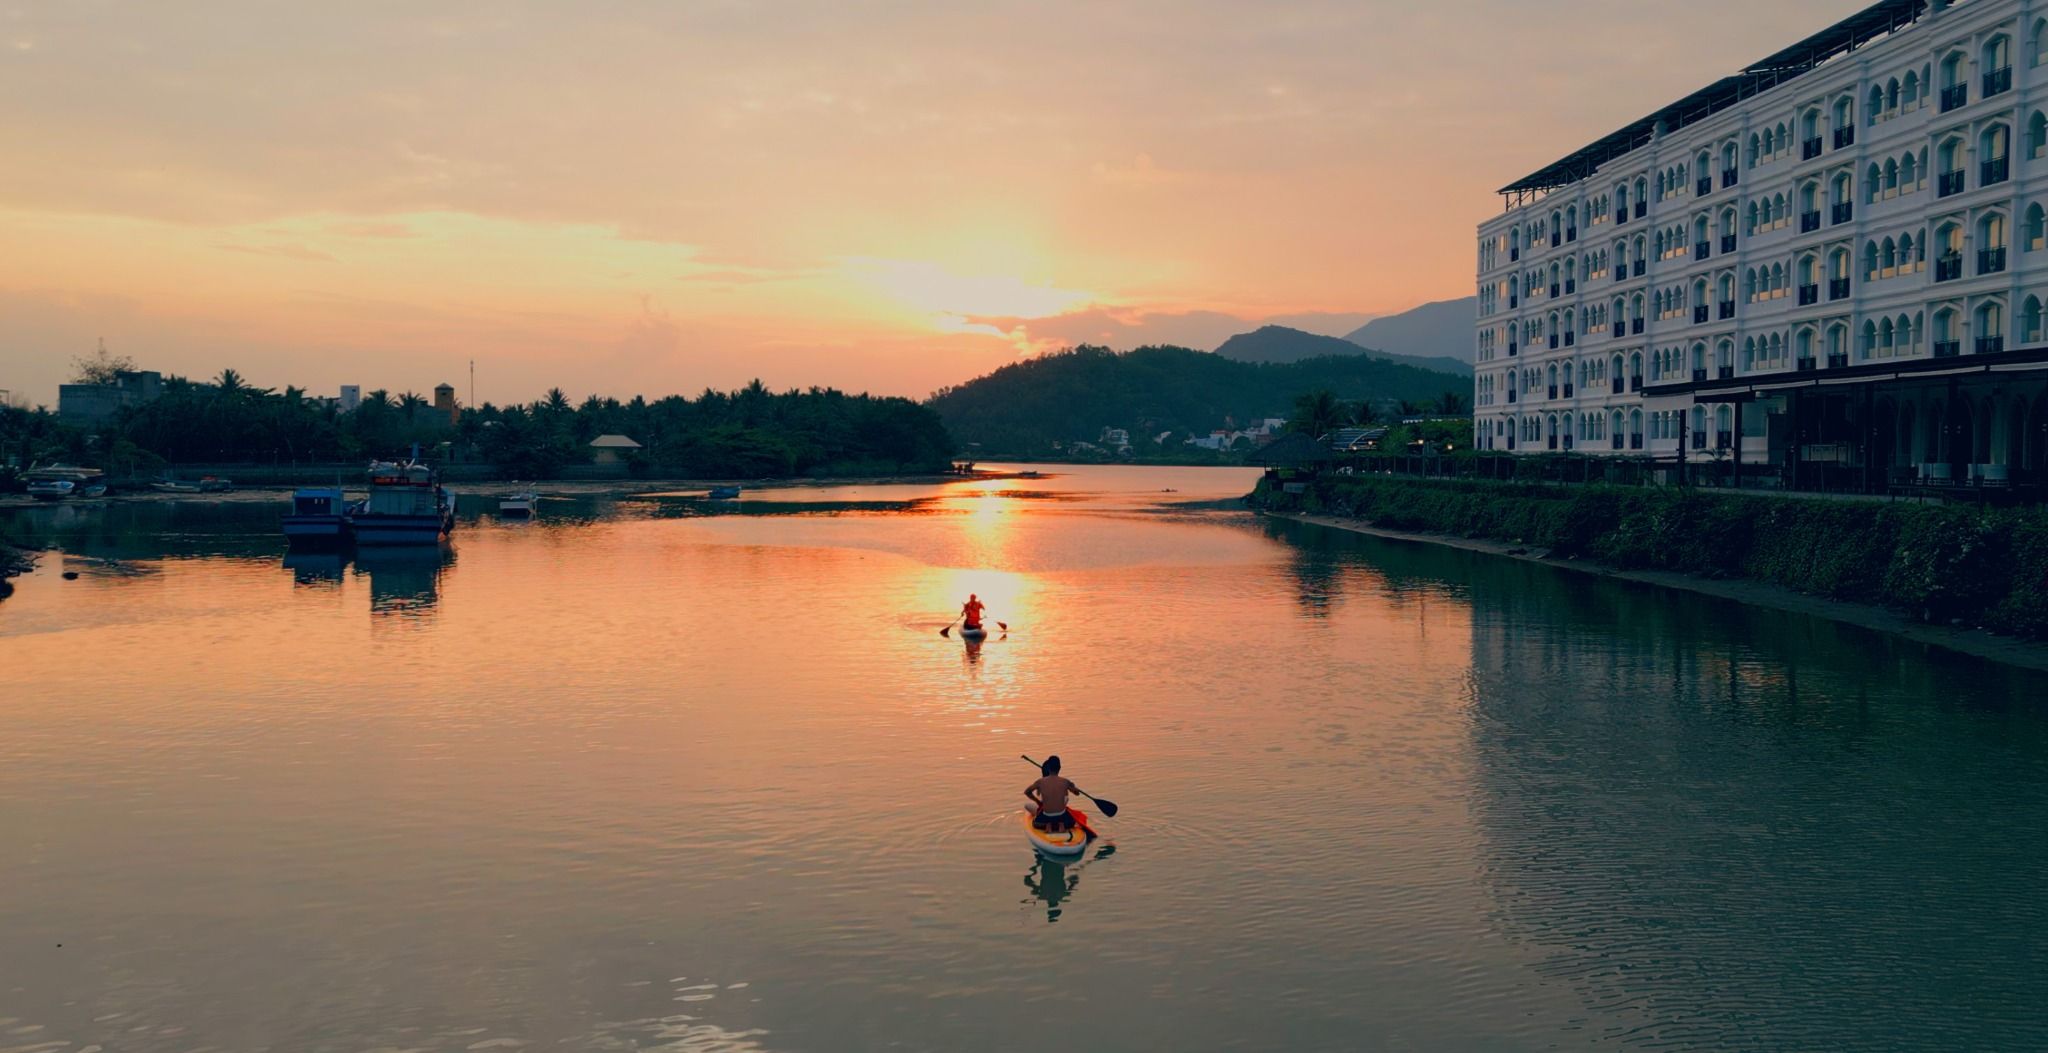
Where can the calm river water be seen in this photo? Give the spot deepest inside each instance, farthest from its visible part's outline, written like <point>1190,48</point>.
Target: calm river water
<point>637,776</point>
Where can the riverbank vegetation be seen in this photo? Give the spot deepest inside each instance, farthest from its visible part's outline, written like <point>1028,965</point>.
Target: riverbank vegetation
<point>14,560</point>
<point>1962,564</point>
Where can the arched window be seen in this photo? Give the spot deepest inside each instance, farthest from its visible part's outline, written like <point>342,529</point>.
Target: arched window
<point>1993,163</point>
<point>2030,320</point>
<point>1990,327</point>
<point>1870,264</point>
<point>1869,340</point>
<point>1873,182</point>
<point>1953,70</point>
<point>2036,232</point>
<point>1911,172</point>
<point>1756,153</point>
<point>1909,90</point>
<point>1875,108</point>
<point>1728,164</point>
<point>1996,58</point>
<point>1845,112</point>
<point>2036,39</point>
<point>1803,345</point>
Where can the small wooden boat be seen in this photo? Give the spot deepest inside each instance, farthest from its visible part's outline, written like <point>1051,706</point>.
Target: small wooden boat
<point>724,493</point>
<point>519,504</point>
<point>319,515</point>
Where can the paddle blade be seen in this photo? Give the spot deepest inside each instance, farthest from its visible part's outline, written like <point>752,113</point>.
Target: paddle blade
<point>947,632</point>
<point>1108,807</point>
<point>1004,626</point>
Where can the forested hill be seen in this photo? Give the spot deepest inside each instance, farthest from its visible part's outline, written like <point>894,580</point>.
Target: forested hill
<point>1025,407</point>
<point>1277,343</point>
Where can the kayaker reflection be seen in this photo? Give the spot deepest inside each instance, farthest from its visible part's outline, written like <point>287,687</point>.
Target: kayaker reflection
<point>1050,883</point>
<point>1049,798</point>
<point>970,613</point>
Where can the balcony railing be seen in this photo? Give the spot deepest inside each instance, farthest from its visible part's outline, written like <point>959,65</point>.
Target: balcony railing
<point>1727,243</point>
<point>1700,249</point>
<point>1727,310</point>
<point>1514,254</point>
<point>1809,149</point>
<point>1998,81</point>
<point>1556,238</point>
<point>1571,233</point>
<point>1996,170</point>
<point>1845,136</point>
<point>1805,365</point>
<point>1553,440</point>
<point>1947,348</point>
<point>1620,216</point>
<point>1949,183</point>
<point>1553,290</point>
<point>1511,350</point>
<point>1727,177</point>
<point>1511,394</point>
<point>1844,211</point>
<point>1636,269</point>
<point>1948,266</point>
<point>1809,295</point>
<point>1703,186</point>
<point>1567,441</point>
<point>1724,439</point>
<point>1635,440</point>
<point>1642,208</point>
<point>1699,440</point>
<point>1724,373</point>
<point>1635,325</point>
<point>1809,221</point>
<point>1698,375</point>
<point>1990,261</point>
<point>1621,329</point>
<point>1953,96</point>
<point>1635,383</point>
<point>1699,313</point>
<point>1553,391</point>
<point>1567,338</point>
<point>1553,341</point>
<point>1621,272</point>
<point>1616,437</point>
<point>1571,285</point>
<point>1567,391</point>
<point>1838,288</point>
<point>1616,384</point>
<point>1990,345</point>
<point>1838,360</point>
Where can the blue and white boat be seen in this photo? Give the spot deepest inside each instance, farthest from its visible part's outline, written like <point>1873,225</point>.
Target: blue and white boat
<point>319,515</point>
<point>59,481</point>
<point>407,506</point>
<point>724,493</point>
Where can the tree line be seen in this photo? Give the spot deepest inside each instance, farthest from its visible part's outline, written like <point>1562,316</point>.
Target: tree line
<point>749,433</point>
<point>1026,408</point>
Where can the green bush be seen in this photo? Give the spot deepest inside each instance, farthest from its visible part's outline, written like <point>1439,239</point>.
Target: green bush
<point>1985,567</point>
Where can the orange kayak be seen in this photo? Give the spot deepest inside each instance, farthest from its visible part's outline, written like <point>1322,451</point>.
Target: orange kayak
<point>1065,844</point>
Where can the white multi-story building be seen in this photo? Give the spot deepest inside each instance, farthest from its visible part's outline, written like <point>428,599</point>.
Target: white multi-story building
<point>1830,266</point>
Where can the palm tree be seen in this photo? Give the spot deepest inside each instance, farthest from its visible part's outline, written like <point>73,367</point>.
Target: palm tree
<point>229,382</point>
<point>1452,404</point>
<point>1368,414</point>
<point>1317,413</point>
<point>556,401</point>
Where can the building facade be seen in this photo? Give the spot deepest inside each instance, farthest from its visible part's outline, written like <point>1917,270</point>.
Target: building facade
<point>92,404</point>
<point>1830,266</point>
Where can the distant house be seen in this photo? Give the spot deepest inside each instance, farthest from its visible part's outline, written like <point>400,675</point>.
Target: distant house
<point>1355,440</point>
<point>444,402</point>
<point>1116,438</point>
<point>611,449</point>
<point>94,403</point>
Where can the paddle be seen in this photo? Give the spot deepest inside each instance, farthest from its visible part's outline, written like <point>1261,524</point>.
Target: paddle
<point>947,632</point>
<point>1108,807</point>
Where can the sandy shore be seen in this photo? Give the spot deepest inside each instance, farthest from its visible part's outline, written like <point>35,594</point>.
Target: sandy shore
<point>1977,642</point>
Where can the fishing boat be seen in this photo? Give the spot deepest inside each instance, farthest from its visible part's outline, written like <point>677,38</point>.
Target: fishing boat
<point>724,493</point>
<point>59,481</point>
<point>211,484</point>
<point>319,515</point>
<point>518,504</point>
<point>407,506</point>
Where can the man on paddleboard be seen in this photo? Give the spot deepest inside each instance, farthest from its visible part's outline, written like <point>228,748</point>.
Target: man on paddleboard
<point>970,613</point>
<point>1049,795</point>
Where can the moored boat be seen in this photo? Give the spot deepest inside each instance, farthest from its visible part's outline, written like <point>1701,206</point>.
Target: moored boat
<point>58,481</point>
<point>319,515</point>
<point>407,506</point>
<point>724,493</point>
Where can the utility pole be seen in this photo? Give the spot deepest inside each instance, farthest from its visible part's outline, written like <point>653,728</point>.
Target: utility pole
<point>472,384</point>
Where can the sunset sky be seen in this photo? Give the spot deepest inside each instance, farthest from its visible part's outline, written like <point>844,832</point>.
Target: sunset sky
<point>653,197</point>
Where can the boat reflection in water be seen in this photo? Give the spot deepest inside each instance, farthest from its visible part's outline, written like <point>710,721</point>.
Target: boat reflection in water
<point>316,569</point>
<point>405,582</point>
<point>1053,881</point>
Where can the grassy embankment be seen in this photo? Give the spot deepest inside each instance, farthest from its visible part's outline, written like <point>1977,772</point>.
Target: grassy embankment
<point>1943,564</point>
